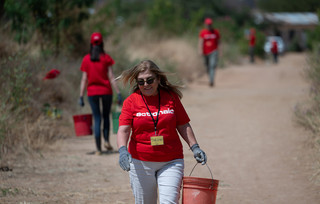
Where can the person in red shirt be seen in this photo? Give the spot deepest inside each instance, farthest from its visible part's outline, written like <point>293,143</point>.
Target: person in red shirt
<point>152,117</point>
<point>274,50</point>
<point>252,43</point>
<point>208,47</point>
<point>97,77</point>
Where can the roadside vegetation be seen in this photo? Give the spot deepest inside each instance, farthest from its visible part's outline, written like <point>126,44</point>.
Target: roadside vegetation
<point>308,113</point>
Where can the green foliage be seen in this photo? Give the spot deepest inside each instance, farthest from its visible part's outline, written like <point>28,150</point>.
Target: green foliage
<point>289,5</point>
<point>178,16</point>
<point>57,22</point>
<point>8,192</point>
<point>314,37</point>
<point>165,15</point>
<point>18,12</point>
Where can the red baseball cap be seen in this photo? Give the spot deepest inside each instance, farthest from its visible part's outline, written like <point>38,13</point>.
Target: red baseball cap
<point>96,39</point>
<point>208,21</point>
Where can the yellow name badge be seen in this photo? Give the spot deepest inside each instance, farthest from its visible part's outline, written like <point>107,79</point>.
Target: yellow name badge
<point>157,140</point>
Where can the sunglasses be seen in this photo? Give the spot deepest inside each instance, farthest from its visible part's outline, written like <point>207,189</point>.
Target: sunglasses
<point>149,81</point>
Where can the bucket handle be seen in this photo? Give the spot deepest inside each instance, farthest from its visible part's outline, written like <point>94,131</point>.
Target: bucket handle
<point>209,171</point>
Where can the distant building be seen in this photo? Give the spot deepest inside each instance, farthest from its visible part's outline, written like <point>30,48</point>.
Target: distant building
<point>291,27</point>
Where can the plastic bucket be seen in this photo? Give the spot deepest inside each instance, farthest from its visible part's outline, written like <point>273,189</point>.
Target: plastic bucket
<point>199,190</point>
<point>115,121</point>
<point>83,124</point>
<point>115,118</point>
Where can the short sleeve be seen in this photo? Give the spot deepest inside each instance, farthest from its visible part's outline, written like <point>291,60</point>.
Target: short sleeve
<point>84,64</point>
<point>126,116</point>
<point>201,34</point>
<point>182,116</point>
<point>218,35</point>
<point>108,60</point>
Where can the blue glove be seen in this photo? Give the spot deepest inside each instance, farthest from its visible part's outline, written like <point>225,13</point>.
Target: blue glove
<point>81,102</point>
<point>199,155</point>
<point>119,99</point>
<point>124,158</point>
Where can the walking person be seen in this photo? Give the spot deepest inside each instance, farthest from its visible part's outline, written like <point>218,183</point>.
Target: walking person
<point>252,43</point>
<point>274,50</point>
<point>208,47</point>
<point>97,77</point>
<point>151,117</point>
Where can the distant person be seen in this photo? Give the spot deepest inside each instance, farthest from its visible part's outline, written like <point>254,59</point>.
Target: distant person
<point>151,118</point>
<point>97,77</point>
<point>252,44</point>
<point>208,47</point>
<point>274,51</point>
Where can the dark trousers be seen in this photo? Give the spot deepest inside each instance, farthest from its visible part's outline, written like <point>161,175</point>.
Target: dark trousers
<point>97,116</point>
<point>251,53</point>
<point>275,57</point>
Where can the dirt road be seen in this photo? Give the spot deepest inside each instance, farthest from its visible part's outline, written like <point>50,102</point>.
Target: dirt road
<point>245,125</point>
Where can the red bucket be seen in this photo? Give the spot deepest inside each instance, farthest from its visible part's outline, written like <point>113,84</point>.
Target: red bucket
<point>83,124</point>
<point>199,190</point>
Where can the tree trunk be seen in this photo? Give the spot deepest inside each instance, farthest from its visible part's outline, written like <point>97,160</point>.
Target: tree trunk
<point>2,8</point>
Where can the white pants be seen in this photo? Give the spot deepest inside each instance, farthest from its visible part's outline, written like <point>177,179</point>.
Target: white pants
<point>148,177</point>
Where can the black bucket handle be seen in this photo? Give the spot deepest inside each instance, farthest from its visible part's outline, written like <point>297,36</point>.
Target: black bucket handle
<point>209,171</point>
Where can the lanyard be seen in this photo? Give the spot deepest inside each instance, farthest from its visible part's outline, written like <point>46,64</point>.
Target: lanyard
<point>155,122</point>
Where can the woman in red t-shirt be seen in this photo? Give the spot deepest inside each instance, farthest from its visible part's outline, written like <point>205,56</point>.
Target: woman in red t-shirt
<point>208,47</point>
<point>274,50</point>
<point>152,116</point>
<point>252,43</point>
<point>97,77</point>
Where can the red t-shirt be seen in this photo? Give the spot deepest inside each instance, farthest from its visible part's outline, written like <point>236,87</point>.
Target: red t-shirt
<point>97,72</point>
<point>252,40</point>
<point>274,48</point>
<point>172,114</point>
<point>210,40</point>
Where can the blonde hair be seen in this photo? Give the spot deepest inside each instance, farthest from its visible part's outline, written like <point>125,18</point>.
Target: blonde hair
<point>130,76</point>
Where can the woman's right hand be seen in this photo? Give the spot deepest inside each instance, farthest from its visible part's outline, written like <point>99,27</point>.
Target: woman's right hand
<point>124,158</point>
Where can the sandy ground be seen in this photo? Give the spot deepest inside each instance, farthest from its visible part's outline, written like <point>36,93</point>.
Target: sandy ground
<point>245,124</point>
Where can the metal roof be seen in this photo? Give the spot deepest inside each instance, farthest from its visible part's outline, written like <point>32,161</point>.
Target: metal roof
<point>306,18</point>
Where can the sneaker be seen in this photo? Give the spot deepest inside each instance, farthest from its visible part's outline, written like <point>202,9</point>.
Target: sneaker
<point>108,146</point>
<point>98,153</point>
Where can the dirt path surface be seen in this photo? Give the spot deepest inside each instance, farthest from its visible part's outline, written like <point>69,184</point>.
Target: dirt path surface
<point>245,125</point>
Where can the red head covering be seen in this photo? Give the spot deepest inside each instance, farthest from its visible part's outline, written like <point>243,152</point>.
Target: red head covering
<point>96,39</point>
<point>208,21</point>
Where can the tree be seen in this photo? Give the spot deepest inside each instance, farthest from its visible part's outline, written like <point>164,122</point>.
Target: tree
<point>289,5</point>
<point>51,20</point>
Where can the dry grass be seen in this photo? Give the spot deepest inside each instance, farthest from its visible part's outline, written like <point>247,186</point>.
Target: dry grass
<point>24,125</point>
<point>308,113</point>
<point>180,53</point>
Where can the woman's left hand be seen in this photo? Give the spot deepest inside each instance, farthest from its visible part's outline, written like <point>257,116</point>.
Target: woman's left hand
<point>199,154</point>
